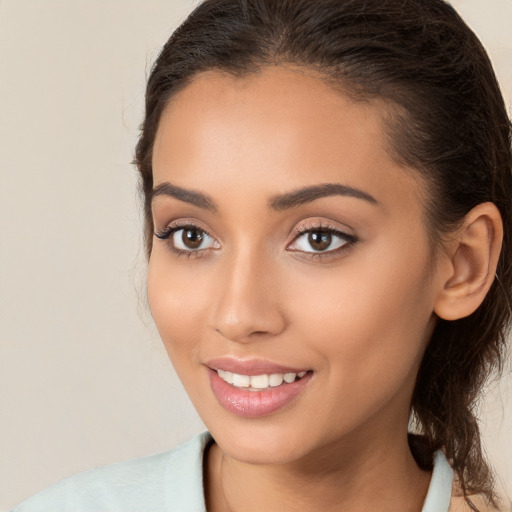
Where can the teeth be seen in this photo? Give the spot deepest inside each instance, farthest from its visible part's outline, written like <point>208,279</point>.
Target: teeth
<point>276,379</point>
<point>227,376</point>
<point>241,381</point>
<point>258,382</point>
<point>289,377</point>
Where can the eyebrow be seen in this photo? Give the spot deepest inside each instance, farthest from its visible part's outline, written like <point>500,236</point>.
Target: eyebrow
<point>278,203</point>
<point>308,194</point>
<point>185,195</point>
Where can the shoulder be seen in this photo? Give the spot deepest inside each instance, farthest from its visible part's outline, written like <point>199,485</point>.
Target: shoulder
<point>445,494</point>
<point>167,481</point>
<point>459,504</point>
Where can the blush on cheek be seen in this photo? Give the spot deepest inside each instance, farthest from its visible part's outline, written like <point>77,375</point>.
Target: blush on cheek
<point>177,309</point>
<point>370,338</point>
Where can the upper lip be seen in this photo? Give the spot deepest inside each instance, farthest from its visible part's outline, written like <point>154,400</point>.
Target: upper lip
<point>250,366</point>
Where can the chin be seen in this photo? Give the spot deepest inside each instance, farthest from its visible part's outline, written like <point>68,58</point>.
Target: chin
<point>261,444</point>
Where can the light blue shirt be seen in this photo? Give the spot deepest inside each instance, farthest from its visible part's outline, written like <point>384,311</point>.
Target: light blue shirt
<point>171,482</point>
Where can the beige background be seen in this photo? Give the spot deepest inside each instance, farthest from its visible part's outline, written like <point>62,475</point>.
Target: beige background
<point>83,378</point>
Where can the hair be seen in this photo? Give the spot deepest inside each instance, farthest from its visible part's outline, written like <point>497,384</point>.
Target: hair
<point>446,119</point>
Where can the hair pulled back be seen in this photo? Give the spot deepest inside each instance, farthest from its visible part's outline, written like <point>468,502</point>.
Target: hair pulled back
<point>446,119</point>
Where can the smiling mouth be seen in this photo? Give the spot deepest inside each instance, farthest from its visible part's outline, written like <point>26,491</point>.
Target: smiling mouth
<point>256,387</point>
<point>259,382</point>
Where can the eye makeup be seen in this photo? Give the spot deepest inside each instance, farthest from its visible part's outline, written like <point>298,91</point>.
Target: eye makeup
<point>324,240</point>
<point>313,240</point>
<point>193,241</point>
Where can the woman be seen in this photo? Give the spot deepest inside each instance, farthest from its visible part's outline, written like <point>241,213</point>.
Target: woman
<point>328,216</point>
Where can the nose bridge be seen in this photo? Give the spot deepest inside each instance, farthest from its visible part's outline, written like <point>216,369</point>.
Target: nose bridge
<point>247,302</point>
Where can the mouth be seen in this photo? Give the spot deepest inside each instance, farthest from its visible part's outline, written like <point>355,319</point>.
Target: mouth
<point>257,387</point>
<point>259,382</point>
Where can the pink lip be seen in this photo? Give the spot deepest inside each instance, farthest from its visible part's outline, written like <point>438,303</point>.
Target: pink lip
<point>251,366</point>
<point>252,404</point>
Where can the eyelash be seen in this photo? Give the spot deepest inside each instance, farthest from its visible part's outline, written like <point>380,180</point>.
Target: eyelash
<point>350,240</point>
<point>169,231</point>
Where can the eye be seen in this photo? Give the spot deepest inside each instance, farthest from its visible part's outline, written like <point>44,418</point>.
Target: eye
<point>321,240</point>
<point>187,239</point>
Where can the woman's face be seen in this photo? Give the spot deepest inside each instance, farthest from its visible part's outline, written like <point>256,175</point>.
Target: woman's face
<point>291,278</point>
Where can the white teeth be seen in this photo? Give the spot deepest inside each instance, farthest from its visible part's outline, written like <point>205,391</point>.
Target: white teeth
<point>225,375</point>
<point>241,381</point>
<point>258,382</point>
<point>276,379</point>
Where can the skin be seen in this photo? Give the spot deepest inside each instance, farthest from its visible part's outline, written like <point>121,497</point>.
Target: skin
<point>359,317</point>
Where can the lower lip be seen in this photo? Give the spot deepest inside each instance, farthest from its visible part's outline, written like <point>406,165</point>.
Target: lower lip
<point>252,404</point>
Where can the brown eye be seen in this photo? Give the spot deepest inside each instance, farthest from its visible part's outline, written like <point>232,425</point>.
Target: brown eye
<point>320,240</point>
<point>187,239</point>
<point>192,238</point>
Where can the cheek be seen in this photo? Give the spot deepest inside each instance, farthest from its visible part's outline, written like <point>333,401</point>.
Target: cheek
<point>178,302</point>
<point>368,321</point>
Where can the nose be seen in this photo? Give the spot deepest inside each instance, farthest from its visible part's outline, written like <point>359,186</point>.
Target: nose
<point>248,306</point>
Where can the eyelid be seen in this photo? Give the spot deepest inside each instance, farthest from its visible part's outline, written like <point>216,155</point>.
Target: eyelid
<point>322,225</point>
<point>313,226</point>
<point>166,235</point>
<point>180,224</point>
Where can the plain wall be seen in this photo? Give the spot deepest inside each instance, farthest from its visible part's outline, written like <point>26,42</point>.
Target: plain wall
<point>84,380</point>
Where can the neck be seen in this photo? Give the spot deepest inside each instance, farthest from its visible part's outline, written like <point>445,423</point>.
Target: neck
<point>354,476</point>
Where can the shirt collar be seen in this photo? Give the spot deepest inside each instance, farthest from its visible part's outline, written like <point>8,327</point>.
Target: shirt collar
<point>188,494</point>
<point>440,489</point>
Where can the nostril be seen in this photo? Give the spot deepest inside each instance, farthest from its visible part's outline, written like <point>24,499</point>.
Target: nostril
<point>238,335</point>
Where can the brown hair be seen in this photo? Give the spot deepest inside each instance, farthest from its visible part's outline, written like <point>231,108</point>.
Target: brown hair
<point>447,120</point>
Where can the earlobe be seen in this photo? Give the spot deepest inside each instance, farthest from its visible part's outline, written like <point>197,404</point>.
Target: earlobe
<point>473,257</point>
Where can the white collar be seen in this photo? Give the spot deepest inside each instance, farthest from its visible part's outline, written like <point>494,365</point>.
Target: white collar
<point>440,489</point>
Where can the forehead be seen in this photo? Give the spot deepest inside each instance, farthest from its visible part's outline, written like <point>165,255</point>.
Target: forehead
<point>269,87</point>
<point>272,131</point>
<point>288,101</point>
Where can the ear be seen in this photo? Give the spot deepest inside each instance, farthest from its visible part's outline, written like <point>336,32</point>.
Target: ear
<point>472,259</point>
